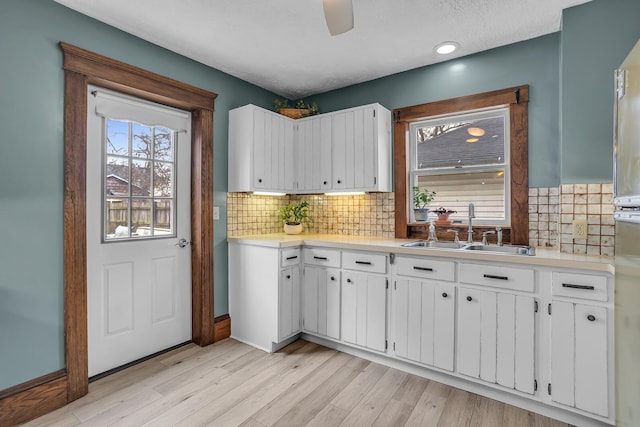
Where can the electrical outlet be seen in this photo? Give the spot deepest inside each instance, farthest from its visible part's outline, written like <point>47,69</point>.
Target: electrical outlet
<point>579,228</point>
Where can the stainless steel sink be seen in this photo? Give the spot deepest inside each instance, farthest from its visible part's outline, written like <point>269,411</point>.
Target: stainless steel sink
<point>433,244</point>
<point>506,249</point>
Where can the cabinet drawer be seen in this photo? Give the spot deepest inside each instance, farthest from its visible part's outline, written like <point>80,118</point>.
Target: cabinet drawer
<point>426,268</point>
<point>323,257</point>
<point>498,276</point>
<point>290,257</point>
<point>583,286</point>
<point>374,263</point>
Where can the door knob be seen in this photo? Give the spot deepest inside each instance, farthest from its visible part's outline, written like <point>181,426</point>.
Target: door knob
<point>182,243</point>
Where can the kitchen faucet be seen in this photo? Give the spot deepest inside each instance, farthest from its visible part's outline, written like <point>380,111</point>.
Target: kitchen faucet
<point>472,214</point>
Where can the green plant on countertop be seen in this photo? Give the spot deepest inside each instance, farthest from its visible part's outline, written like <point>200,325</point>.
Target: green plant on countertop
<point>293,214</point>
<point>421,198</point>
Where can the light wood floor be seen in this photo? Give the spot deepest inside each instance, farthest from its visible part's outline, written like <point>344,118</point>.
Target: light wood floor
<point>231,384</point>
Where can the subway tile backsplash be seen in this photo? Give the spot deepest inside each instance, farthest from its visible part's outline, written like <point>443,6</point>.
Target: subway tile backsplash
<point>551,213</point>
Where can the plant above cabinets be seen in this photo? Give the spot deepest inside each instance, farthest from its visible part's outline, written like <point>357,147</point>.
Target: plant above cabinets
<point>299,110</point>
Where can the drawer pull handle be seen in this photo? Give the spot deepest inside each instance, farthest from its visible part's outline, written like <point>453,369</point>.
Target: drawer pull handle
<point>572,286</point>
<point>292,257</point>
<point>321,258</point>
<point>444,295</point>
<point>363,262</point>
<point>415,267</point>
<point>591,318</point>
<point>469,299</point>
<point>493,276</point>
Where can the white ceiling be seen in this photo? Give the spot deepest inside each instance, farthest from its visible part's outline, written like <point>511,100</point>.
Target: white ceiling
<point>284,45</point>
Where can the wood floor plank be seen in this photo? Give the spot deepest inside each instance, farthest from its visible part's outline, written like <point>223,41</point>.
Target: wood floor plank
<point>372,404</point>
<point>312,404</point>
<point>429,408</point>
<point>277,408</point>
<point>274,387</point>
<point>230,383</point>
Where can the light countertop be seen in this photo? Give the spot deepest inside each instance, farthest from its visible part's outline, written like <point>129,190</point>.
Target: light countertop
<point>546,257</point>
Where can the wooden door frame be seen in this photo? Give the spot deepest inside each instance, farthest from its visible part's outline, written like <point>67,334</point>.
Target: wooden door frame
<point>83,68</point>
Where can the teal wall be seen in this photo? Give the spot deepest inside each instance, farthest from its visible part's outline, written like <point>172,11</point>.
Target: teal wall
<point>596,38</point>
<point>31,168</point>
<point>533,62</point>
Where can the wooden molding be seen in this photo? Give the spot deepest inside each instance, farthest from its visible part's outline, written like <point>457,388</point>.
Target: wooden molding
<point>222,327</point>
<point>81,69</point>
<point>517,98</point>
<point>34,398</point>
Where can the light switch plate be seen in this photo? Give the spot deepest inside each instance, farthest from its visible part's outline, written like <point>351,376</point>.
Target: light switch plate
<point>216,213</point>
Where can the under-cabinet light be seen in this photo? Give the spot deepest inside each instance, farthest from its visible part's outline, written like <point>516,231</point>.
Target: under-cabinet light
<point>268,193</point>
<point>345,193</point>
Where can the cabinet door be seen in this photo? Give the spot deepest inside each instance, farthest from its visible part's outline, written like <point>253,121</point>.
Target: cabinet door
<point>424,322</point>
<point>289,302</point>
<point>579,360</point>
<point>312,277</point>
<point>364,302</point>
<point>314,154</point>
<point>349,307</point>
<point>591,386</point>
<point>333,304</point>
<point>354,149</point>
<point>261,146</point>
<point>282,162</point>
<point>469,331</point>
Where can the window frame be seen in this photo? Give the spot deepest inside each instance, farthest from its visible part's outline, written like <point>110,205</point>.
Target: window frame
<point>414,171</point>
<point>516,99</point>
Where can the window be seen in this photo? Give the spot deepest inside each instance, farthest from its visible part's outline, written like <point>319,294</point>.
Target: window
<point>139,166</point>
<point>464,158</point>
<point>139,180</point>
<point>496,181</point>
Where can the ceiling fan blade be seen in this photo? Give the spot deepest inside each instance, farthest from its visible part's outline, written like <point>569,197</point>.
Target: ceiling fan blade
<point>339,15</point>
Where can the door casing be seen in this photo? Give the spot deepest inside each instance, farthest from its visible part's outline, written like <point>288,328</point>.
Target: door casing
<point>82,68</point>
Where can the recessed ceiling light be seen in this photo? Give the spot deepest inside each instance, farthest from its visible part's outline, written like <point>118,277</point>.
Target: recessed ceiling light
<point>446,48</point>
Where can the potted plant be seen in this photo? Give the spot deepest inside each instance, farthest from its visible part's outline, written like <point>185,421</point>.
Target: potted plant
<point>443,215</point>
<point>299,110</point>
<point>421,198</point>
<point>292,216</point>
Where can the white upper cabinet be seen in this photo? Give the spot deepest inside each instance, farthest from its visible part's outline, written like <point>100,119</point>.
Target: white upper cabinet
<point>361,149</point>
<point>261,150</point>
<point>347,150</point>
<point>313,157</point>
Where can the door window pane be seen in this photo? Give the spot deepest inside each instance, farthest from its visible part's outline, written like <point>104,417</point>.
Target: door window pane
<point>139,176</point>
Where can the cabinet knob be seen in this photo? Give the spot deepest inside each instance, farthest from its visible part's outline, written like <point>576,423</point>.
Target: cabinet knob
<point>333,278</point>
<point>469,299</point>
<point>348,280</point>
<point>288,276</point>
<point>591,317</point>
<point>324,182</point>
<point>259,179</point>
<point>444,295</point>
<point>339,182</point>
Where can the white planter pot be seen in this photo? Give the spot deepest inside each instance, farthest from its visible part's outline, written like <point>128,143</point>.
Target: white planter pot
<point>421,215</point>
<point>293,228</point>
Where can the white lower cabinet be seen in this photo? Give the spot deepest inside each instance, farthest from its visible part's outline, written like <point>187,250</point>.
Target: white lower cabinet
<point>289,304</point>
<point>579,356</point>
<point>364,309</point>
<point>424,322</point>
<point>321,301</point>
<point>496,335</point>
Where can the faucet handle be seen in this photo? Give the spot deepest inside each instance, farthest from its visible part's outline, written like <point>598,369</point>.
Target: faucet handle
<point>456,239</point>
<point>484,236</point>
<point>499,232</point>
